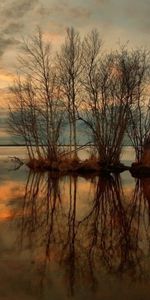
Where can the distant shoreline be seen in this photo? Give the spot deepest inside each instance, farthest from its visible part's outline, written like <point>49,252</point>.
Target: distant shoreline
<point>65,145</point>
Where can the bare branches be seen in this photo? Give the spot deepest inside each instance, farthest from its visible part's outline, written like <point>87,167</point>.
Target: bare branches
<point>139,109</point>
<point>69,72</point>
<point>113,83</point>
<point>37,101</point>
<point>108,92</point>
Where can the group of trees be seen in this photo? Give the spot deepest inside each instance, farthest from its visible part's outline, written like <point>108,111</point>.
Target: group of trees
<point>108,92</point>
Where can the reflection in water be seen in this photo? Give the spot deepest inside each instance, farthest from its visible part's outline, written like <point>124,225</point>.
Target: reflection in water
<point>108,233</point>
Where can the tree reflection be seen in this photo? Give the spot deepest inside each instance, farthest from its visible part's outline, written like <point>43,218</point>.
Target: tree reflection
<point>106,236</point>
<point>112,228</point>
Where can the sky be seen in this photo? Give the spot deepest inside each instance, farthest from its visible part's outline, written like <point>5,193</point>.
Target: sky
<point>118,21</point>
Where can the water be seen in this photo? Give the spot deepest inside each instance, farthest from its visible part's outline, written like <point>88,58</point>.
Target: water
<point>73,237</point>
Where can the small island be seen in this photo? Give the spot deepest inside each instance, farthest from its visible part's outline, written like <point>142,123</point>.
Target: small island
<point>106,92</point>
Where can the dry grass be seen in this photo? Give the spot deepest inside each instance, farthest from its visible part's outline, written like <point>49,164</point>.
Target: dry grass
<point>74,165</point>
<point>65,165</point>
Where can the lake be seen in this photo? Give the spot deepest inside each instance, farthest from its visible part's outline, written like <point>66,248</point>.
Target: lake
<point>73,237</point>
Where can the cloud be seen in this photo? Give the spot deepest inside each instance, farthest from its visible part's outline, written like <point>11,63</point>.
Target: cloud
<point>12,21</point>
<point>132,16</point>
<point>72,11</point>
<point>4,43</point>
<point>100,2</point>
<point>114,18</point>
<point>12,28</point>
<point>138,14</point>
<point>17,9</point>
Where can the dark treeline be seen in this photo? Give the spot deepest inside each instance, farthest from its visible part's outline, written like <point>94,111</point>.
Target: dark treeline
<point>108,92</point>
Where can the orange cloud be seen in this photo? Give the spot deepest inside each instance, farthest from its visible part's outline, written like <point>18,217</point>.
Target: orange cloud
<point>53,37</point>
<point>5,79</point>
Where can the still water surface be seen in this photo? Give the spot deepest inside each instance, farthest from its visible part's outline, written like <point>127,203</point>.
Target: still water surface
<point>73,237</point>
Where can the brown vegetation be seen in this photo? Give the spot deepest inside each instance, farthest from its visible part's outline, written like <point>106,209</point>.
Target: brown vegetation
<point>76,166</point>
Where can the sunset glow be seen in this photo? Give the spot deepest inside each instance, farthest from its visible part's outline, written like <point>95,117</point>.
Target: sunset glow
<point>74,149</point>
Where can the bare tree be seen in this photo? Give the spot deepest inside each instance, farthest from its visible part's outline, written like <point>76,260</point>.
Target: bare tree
<point>139,110</point>
<point>38,96</point>
<point>111,85</point>
<point>21,115</point>
<point>69,72</point>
